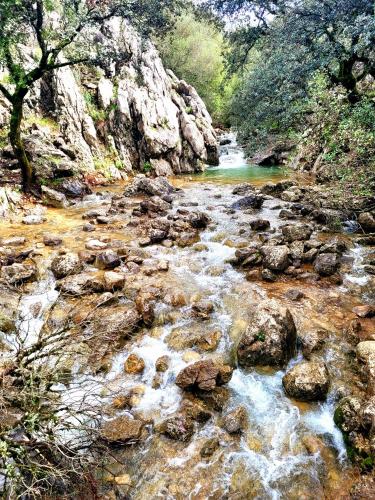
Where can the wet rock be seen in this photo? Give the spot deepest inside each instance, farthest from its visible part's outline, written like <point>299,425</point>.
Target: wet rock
<point>275,189</point>
<point>242,189</point>
<point>7,324</point>
<point>235,421</point>
<point>162,363</point>
<point>268,275</point>
<point>75,188</point>
<point>122,430</point>
<point>193,408</point>
<point>307,381</point>
<point>115,323</point>
<point>366,360</point>
<point>294,294</point>
<point>312,341</point>
<point>80,284</point>
<point>216,399</point>
<point>251,201</point>
<point>287,214</point>
<point>292,195</point>
<point>260,225</point>
<point>152,187</point>
<point>204,375</point>
<point>367,222</point>
<point>199,220</point>
<point>276,258</point>
<point>18,273</point>
<point>178,427</point>
<point>31,220</point>
<point>365,311</point>
<point>209,341</point>
<point>88,228</point>
<point>14,241</point>
<point>187,239</point>
<point>326,264</point>
<point>114,280</point>
<point>296,232</point>
<point>107,260</point>
<point>134,364</point>
<point>209,447</point>
<point>366,240</point>
<point>145,306</point>
<point>157,235</point>
<point>53,198</point>
<point>348,414</point>
<point>66,265</point>
<point>155,205</point>
<point>203,309</point>
<point>270,338</point>
<point>310,255</point>
<point>297,249</point>
<point>52,240</point>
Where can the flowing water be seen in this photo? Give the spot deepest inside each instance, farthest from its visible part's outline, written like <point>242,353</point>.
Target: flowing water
<point>272,459</point>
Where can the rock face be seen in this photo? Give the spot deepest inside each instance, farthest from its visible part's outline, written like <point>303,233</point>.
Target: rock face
<point>151,120</point>
<point>270,338</point>
<point>307,381</point>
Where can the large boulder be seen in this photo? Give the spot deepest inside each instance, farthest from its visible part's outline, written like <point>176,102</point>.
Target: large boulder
<point>66,265</point>
<point>326,264</point>
<point>276,257</point>
<point>250,201</point>
<point>296,232</point>
<point>53,198</point>
<point>152,187</point>
<point>270,338</point>
<point>307,381</point>
<point>204,375</point>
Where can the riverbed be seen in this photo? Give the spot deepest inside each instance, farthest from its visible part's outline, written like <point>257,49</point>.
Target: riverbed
<point>287,449</point>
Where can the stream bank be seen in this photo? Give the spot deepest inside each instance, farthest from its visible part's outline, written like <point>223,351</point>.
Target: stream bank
<point>160,279</point>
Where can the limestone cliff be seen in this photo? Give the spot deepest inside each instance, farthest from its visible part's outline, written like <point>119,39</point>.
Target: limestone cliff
<point>122,117</point>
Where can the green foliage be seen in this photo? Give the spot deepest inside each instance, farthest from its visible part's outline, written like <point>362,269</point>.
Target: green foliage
<point>147,167</point>
<point>261,336</point>
<point>96,114</point>
<point>194,51</point>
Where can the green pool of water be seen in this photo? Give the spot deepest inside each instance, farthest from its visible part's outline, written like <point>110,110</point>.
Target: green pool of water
<point>242,173</point>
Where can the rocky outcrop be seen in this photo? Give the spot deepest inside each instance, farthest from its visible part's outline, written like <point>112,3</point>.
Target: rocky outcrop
<point>129,116</point>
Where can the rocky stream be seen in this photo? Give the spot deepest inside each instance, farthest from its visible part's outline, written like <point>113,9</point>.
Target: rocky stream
<point>223,322</point>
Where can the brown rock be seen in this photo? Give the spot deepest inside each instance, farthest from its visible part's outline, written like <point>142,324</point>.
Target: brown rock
<point>122,430</point>
<point>162,364</point>
<point>365,311</point>
<point>134,364</point>
<point>204,375</point>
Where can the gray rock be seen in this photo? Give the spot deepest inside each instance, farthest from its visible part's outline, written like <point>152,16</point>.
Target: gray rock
<point>65,265</point>
<point>307,381</point>
<point>270,338</point>
<point>53,198</point>
<point>276,258</point>
<point>326,264</point>
<point>296,232</point>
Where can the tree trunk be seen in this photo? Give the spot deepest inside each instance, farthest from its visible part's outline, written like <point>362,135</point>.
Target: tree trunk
<point>17,142</point>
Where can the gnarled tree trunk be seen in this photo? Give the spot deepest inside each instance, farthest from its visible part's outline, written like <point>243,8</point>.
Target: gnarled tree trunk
<point>16,141</point>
